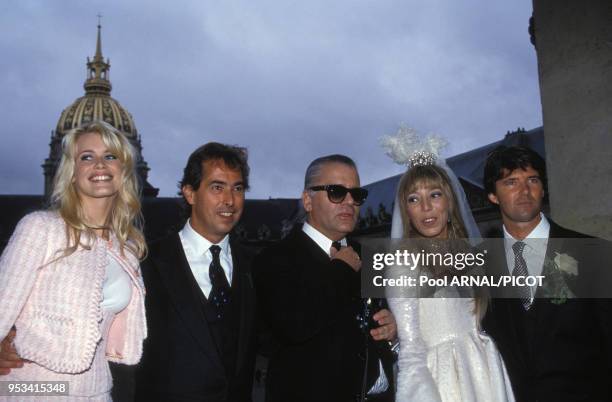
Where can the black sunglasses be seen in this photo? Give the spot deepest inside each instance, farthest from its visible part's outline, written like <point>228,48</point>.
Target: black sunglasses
<point>337,193</point>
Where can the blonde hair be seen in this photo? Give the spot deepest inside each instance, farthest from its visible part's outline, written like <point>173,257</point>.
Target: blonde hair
<point>433,176</point>
<point>125,218</point>
<point>430,176</point>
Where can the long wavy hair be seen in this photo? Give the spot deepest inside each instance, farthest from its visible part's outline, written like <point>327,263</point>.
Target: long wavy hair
<point>125,219</point>
<point>433,176</point>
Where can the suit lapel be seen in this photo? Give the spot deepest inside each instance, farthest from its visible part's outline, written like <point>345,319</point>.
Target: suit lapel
<point>542,306</point>
<point>508,308</point>
<point>311,248</point>
<point>244,285</point>
<point>176,275</point>
<point>557,232</point>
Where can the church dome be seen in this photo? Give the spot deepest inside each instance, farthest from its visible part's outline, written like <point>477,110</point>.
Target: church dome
<point>96,107</point>
<point>96,104</point>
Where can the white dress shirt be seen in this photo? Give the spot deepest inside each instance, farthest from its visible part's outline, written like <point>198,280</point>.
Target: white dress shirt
<point>325,243</point>
<point>198,255</point>
<point>319,238</point>
<point>534,252</point>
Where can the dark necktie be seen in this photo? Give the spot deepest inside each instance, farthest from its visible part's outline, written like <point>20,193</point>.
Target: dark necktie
<point>220,292</point>
<point>520,269</point>
<point>336,245</point>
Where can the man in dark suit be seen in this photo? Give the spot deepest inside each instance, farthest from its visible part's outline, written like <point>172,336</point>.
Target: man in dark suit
<point>308,288</point>
<point>200,296</point>
<point>556,347</point>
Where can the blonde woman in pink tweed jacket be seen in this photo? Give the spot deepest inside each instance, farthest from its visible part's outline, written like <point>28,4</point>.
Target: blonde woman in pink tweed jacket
<point>69,277</point>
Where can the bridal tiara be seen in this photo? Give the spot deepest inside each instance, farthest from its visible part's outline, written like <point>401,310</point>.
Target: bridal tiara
<point>407,148</point>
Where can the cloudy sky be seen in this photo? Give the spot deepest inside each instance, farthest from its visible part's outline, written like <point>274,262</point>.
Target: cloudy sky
<point>290,80</point>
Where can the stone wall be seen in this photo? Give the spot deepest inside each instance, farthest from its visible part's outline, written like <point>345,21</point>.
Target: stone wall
<point>573,40</point>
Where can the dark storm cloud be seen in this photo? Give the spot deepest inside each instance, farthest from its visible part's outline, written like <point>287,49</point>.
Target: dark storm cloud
<point>289,80</point>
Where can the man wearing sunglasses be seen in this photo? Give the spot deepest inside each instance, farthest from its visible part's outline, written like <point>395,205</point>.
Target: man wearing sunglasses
<point>308,287</point>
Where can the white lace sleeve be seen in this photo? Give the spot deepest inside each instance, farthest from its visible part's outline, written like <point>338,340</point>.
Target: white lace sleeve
<point>414,380</point>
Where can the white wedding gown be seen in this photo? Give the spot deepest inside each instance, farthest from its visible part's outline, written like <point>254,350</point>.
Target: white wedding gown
<point>443,356</point>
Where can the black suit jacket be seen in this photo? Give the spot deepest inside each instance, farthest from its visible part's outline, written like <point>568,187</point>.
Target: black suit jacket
<point>554,352</point>
<point>309,304</point>
<point>180,359</point>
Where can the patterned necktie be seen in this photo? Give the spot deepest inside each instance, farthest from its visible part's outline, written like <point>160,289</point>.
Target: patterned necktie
<point>220,293</point>
<point>520,269</point>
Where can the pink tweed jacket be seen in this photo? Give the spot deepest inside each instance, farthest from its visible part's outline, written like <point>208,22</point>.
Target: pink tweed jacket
<point>54,301</point>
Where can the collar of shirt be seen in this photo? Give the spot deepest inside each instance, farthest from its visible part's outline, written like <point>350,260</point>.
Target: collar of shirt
<point>198,255</point>
<point>535,247</point>
<point>199,244</point>
<point>319,238</point>
<point>541,231</point>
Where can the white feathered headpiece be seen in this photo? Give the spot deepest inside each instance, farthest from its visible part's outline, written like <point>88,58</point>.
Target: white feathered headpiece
<point>407,148</point>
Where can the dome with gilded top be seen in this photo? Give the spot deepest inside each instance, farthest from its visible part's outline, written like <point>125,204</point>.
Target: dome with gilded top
<point>96,107</point>
<point>96,104</point>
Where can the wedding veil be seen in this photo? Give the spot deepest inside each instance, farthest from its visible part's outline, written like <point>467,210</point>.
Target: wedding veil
<point>408,149</point>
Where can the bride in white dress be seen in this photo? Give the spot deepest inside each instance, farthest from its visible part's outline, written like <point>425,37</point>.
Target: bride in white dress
<point>444,356</point>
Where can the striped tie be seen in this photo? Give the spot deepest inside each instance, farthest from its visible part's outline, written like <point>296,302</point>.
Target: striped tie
<point>520,269</point>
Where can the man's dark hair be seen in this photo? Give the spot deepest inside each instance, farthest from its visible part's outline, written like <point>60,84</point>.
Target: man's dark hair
<point>503,160</point>
<point>314,169</point>
<point>234,158</point>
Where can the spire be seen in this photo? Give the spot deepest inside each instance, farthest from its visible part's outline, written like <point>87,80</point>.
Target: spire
<point>98,55</point>
<point>97,69</point>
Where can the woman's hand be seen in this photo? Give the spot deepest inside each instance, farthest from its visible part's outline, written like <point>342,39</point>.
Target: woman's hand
<point>9,359</point>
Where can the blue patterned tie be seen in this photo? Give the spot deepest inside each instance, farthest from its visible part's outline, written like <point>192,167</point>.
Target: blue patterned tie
<point>520,269</point>
<point>220,292</point>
